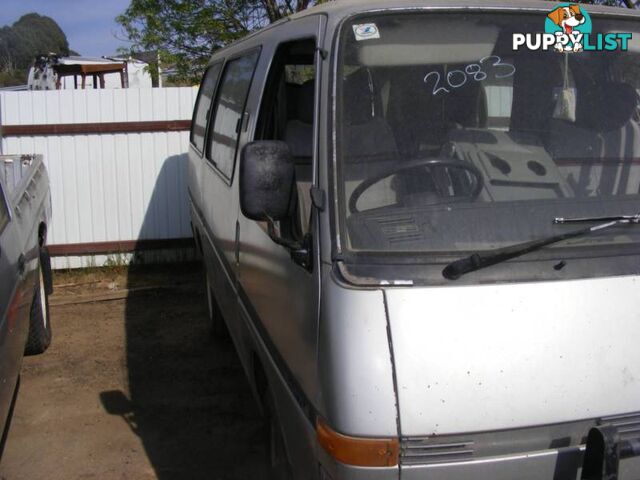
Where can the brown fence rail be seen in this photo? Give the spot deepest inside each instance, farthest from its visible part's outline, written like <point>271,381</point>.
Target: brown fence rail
<point>123,246</point>
<point>94,128</point>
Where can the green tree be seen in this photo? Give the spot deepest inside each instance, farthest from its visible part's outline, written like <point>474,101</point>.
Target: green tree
<point>31,35</point>
<point>186,32</point>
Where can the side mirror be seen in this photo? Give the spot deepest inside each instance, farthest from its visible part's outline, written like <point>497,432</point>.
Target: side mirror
<point>267,189</point>
<point>267,178</point>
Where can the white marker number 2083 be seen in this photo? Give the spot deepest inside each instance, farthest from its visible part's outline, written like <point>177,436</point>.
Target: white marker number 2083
<point>457,78</point>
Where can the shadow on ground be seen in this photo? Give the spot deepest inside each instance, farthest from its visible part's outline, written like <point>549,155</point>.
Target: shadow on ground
<point>132,352</point>
<point>189,401</point>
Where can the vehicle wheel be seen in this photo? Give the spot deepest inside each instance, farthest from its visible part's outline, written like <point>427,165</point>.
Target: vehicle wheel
<point>216,322</point>
<point>278,467</point>
<point>39,323</point>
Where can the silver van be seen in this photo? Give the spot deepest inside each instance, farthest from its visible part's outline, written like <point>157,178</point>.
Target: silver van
<point>420,226</point>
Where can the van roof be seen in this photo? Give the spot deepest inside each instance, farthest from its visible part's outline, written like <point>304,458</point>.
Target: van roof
<point>338,9</point>
<point>341,8</point>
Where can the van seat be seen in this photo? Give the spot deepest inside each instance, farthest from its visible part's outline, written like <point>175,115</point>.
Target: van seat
<point>598,151</point>
<point>299,129</point>
<point>369,145</point>
<point>299,136</point>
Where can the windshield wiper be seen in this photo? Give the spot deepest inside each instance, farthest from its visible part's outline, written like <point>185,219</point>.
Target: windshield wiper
<point>476,261</point>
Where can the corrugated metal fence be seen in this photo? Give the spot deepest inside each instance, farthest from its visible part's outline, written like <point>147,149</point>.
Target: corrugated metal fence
<point>110,191</point>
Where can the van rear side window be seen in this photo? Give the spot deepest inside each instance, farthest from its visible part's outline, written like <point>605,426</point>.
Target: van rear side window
<point>203,105</point>
<point>229,107</point>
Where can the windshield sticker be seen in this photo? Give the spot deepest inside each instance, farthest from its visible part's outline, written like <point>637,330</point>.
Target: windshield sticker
<point>366,31</point>
<point>477,72</point>
<point>568,29</point>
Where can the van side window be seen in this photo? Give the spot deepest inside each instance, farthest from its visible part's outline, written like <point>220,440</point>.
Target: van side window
<point>224,129</point>
<point>287,114</point>
<point>4,211</point>
<point>203,105</point>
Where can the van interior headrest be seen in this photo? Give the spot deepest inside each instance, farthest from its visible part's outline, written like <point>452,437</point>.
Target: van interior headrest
<point>466,106</point>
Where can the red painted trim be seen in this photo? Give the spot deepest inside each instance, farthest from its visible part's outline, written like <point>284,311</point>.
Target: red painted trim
<point>95,128</point>
<point>125,246</point>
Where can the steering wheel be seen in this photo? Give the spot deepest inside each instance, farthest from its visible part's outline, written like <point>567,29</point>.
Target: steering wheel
<point>478,183</point>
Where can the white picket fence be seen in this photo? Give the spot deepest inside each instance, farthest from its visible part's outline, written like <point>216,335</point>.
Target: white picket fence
<point>107,187</point>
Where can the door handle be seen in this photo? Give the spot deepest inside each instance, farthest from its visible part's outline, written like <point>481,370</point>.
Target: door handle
<point>237,252</point>
<point>21,263</point>
<point>245,121</point>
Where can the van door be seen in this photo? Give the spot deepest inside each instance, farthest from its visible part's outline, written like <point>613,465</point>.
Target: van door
<point>277,295</point>
<point>219,187</point>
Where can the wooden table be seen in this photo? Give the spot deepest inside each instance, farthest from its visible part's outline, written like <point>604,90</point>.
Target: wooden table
<point>96,70</point>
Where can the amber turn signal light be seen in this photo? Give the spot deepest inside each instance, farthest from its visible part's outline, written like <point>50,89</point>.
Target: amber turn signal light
<point>363,452</point>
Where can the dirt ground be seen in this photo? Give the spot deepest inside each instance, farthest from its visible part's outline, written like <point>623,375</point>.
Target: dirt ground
<point>133,386</point>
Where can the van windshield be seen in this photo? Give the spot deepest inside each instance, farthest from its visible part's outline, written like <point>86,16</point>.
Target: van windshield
<point>473,131</point>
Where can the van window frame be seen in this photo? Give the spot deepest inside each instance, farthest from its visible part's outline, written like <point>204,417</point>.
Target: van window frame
<point>264,100</point>
<point>376,266</point>
<point>213,112</point>
<point>221,63</point>
<point>271,65</point>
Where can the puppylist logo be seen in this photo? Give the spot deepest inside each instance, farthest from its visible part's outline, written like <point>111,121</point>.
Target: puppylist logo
<point>568,28</point>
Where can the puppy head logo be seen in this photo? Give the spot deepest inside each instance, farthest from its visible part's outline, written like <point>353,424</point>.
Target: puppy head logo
<point>568,22</point>
<point>568,18</point>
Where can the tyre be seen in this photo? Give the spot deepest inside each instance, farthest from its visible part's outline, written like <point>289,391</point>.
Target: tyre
<point>39,322</point>
<point>217,326</point>
<point>278,467</point>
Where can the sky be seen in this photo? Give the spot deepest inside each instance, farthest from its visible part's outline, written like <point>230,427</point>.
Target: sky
<point>89,25</point>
